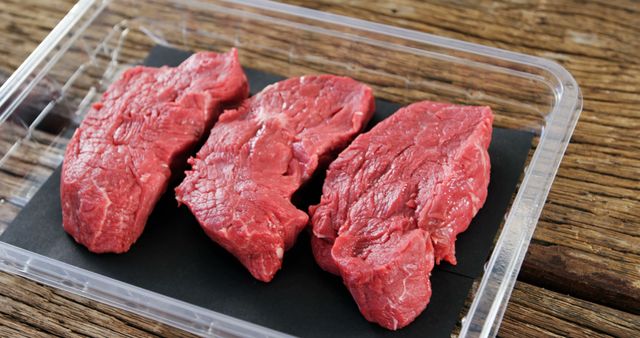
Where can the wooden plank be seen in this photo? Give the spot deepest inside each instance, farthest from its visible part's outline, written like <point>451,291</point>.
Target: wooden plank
<point>583,275</point>
<point>536,312</point>
<point>32,308</point>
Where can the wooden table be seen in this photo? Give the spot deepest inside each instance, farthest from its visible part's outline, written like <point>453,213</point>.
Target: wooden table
<point>581,276</point>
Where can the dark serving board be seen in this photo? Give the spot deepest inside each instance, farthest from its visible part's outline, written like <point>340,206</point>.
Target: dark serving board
<point>175,258</point>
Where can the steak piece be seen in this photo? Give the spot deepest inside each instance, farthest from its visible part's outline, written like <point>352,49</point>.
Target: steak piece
<point>395,199</point>
<point>257,156</point>
<point>121,158</point>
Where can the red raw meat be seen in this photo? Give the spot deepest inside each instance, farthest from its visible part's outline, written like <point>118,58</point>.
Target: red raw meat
<point>395,199</point>
<point>257,156</point>
<point>121,158</point>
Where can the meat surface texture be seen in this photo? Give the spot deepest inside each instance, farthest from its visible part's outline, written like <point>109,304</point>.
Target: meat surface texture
<point>258,155</point>
<point>394,201</point>
<point>121,158</point>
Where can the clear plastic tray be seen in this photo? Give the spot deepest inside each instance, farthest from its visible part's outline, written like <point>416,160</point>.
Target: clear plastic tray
<point>97,39</point>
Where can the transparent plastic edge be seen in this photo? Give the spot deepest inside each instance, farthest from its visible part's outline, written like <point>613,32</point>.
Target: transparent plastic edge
<point>501,272</point>
<point>106,290</point>
<point>38,56</point>
<point>489,304</point>
<point>397,32</point>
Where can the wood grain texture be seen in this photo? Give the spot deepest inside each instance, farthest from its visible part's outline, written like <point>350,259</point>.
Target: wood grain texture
<point>536,312</point>
<point>31,309</point>
<point>581,276</point>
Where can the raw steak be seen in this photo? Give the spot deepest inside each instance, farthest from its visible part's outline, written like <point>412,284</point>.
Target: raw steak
<point>395,199</point>
<point>121,158</point>
<point>257,156</point>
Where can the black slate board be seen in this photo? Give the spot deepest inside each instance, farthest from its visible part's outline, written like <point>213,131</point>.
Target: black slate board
<point>175,258</point>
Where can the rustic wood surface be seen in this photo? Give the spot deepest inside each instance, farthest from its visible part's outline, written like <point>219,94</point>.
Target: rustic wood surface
<point>581,276</point>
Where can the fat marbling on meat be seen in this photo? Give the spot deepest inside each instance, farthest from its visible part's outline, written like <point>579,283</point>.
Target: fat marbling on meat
<point>121,158</point>
<point>394,201</point>
<point>258,155</point>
